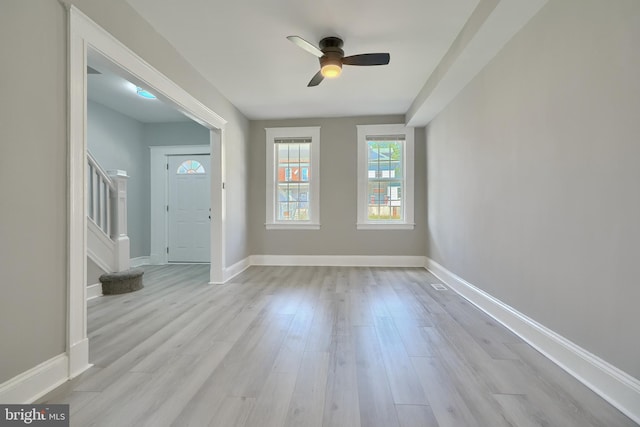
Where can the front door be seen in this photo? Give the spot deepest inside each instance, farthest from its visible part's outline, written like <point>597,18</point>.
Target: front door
<point>189,179</point>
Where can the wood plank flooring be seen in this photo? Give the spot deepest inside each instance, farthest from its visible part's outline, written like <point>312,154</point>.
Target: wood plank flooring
<point>314,346</point>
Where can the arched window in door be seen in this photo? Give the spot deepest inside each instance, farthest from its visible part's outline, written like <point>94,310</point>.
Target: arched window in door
<point>190,167</point>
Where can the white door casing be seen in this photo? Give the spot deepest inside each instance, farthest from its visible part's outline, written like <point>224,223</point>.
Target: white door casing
<point>188,208</point>
<point>87,36</point>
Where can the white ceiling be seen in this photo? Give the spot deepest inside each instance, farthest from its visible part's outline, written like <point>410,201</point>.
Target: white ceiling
<point>436,47</point>
<point>113,91</point>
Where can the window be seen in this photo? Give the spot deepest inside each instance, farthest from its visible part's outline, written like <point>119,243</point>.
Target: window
<point>385,177</point>
<point>190,167</point>
<point>293,181</point>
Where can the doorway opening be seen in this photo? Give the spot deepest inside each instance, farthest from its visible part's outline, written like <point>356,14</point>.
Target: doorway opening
<point>86,37</point>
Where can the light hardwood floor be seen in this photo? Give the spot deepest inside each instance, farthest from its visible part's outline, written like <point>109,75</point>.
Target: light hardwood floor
<point>314,346</point>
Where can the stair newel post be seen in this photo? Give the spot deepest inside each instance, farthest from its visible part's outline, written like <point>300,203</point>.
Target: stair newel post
<point>119,216</point>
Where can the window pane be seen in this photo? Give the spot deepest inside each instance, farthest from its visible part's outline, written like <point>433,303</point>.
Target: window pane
<point>189,167</point>
<point>385,175</point>
<point>293,162</point>
<point>385,200</point>
<point>293,181</point>
<point>283,151</point>
<point>293,202</point>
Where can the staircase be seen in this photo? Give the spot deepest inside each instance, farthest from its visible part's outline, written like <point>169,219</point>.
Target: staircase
<point>107,240</point>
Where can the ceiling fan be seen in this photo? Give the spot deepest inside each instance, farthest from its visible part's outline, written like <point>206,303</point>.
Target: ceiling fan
<point>332,57</point>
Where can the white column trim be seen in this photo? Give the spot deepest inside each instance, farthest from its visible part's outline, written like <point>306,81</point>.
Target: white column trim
<point>86,36</point>
<point>218,206</point>
<point>77,226</point>
<point>232,271</point>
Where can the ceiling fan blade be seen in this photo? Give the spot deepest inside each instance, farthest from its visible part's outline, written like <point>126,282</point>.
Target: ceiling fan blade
<point>367,59</point>
<point>302,43</point>
<point>315,81</point>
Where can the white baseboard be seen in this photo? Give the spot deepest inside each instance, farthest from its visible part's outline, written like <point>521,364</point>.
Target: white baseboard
<point>237,268</point>
<point>29,386</point>
<point>94,291</point>
<point>615,386</point>
<point>157,260</point>
<point>339,260</point>
<point>97,260</point>
<point>322,260</point>
<point>138,261</point>
<point>79,358</point>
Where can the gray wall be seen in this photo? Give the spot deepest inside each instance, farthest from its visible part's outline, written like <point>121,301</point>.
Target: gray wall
<point>177,133</point>
<point>33,212</point>
<point>533,176</point>
<point>33,129</point>
<point>115,141</point>
<point>338,186</point>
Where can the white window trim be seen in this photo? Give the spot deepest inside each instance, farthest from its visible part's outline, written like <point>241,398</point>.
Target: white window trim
<point>363,223</point>
<point>312,132</point>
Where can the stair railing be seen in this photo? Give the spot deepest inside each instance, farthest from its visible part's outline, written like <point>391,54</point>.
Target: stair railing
<point>107,207</point>
<point>101,189</point>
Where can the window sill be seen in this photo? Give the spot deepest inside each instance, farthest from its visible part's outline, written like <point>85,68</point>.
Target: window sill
<point>384,226</point>
<point>280,226</point>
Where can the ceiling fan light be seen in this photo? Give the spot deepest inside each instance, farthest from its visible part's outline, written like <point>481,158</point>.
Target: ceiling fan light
<point>331,70</point>
<point>145,93</point>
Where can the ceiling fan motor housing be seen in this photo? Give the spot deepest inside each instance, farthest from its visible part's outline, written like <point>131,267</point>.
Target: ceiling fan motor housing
<point>332,49</point>
<point>331,42</point>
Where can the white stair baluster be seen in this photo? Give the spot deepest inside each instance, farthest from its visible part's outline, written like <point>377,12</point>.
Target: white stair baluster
<point>107,212</point>
<point>94,196</point>
<point>89,190</point>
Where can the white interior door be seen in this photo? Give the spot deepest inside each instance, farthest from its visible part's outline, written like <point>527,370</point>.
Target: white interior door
<point>189,182</point>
